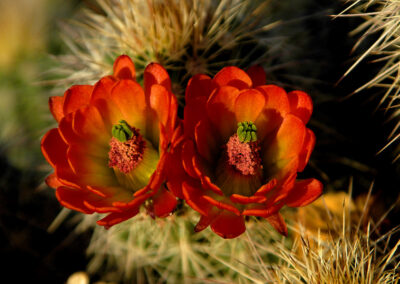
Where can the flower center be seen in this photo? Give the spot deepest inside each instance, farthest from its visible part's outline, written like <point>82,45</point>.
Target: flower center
<point>127,148</point>
<point>243,149</point>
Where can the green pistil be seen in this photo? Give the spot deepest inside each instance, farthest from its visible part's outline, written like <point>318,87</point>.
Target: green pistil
<point>122,131</point>
<point>247,132</point>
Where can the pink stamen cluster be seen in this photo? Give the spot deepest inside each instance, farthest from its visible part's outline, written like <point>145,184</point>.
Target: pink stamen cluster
<point>244,157</point>
<point>125,156</point>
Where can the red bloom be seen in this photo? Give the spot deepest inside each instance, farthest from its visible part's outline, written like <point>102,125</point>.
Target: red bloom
<point>244,144</point>
<point>112,144</point>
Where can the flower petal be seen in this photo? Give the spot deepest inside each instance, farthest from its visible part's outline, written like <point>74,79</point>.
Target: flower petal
<point>129,98</point>
<point>278,223</point>
<point>228,225</point>
<point>233,76</point>
<point>192,113</point>
<point>193,197</point>
<point>76,97</point>
<point>56,105</point>
<point>73,199</point>
<point>248,105</point>
<point>221,110</point>
<point>199,85</point>
<point>257,75</point>
<point>301,105</point>
<point>164,202</point>
<point>118,217</point>
<point>124,68</point>
<point>286,145</point>
<point>304,192</point>
<point>156,74</point>
<point>53,147</point>
<point>52,181</point>
<point>275,109</point>
<point>206,142</point>
<point>89,125</point>
<point>308,147</point>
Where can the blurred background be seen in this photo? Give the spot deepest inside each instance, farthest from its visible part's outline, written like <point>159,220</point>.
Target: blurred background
<point>310,51</point>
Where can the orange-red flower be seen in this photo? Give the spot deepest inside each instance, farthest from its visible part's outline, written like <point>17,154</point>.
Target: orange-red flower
<point>112,144</point>
<point>244,144</point>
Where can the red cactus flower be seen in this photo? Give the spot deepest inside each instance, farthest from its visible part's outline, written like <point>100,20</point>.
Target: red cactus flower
<point>244,144</point>
<point>112,144</point>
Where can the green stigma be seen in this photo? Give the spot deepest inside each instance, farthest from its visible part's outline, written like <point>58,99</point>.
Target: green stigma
<point>122,131</point>
<point>247,132</point>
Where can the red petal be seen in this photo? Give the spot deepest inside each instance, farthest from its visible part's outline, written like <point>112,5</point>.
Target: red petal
<point>175,172</point>
<point>222,205</point>
<point>309,143</point>
<point>164,202</point>
<point>89,125</point>
<point>228,225</point>
<point>266,187</point>
<point>66,130</point>
<point>206,143</point>
<point>278,223</point>
<point>160,100</point>
<point>73,199</point>
<point>199,85</point>
<point>193,197</point>
<point>52,181</point>
<point>124,68</point>
<point>301,105</point>
<point>118,217</point>
<point>102,89</point>
<point>275,109</point>
<point>304,192</point>
<point>76,97</point>
<point>203,223</point>
<point>192,113</point>
<point>248,105</point>
<point>53,147</point>
<point>56,105</point>
<point>233,76</point>
<point>129,97</point>
<point>187,155</point>
<point>262,210</point>
<point>257,75</point>
<point>156,74</point>
<point>221,110</point>
<point>241,199</point>
<point>287,144</point>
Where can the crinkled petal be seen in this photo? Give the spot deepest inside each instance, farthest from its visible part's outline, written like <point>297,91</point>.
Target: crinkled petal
<point>304,192</point>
